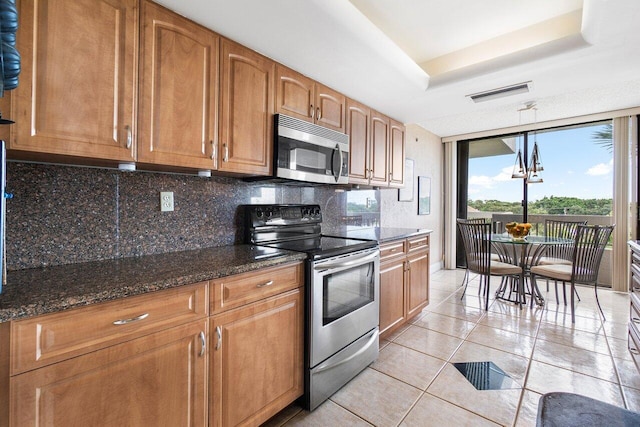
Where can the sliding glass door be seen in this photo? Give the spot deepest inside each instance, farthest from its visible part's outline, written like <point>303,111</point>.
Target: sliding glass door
<point>576,178</point>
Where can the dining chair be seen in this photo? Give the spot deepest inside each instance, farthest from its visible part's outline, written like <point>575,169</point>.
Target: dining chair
<point>465,279</point>
<point>589,245</point>
<point>476,238</point>
<point>559,254</point>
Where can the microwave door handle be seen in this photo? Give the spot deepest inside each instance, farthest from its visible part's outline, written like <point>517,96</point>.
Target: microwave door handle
<point>339,151</point>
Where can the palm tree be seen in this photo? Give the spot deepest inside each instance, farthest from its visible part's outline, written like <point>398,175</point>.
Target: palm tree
<point>604,136</point>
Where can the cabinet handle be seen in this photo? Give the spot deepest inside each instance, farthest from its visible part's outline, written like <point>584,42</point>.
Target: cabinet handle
<point>634,351</point>
<point>262,285</point>
<point>219,337</point>
<point>203,343</point>
<point>213,150</point>
<point>313,112</point>
<point>635,320</point>
<point>318,113</point>
<point>394,250</point>
<point>129,136</point>
<point>133,319</point>
<point>225,158</point>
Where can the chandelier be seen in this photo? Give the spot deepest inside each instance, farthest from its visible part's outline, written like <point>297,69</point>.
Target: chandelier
<point>530,173</point>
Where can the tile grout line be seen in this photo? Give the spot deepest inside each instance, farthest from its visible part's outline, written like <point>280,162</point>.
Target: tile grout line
<point>526,375</point>
<point>615,365</point>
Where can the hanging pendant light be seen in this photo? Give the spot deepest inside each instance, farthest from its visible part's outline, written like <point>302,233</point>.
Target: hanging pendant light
<point>531,174</point>
<point>535,167</point>
<point>519,170</point>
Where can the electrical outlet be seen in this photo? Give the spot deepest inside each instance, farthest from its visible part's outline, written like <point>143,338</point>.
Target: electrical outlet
<point>166,201</point>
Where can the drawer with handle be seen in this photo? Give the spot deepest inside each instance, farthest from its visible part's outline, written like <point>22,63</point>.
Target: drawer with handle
<point>391,249</point>
<point>419,242</point>
<point>50,338</point>
<point>238,290</point>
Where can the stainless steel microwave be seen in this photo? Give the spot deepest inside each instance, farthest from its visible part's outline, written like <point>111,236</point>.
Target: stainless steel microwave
<point>310,153</point>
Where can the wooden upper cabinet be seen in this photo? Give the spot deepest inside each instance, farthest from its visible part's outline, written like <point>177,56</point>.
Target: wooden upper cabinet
<point>396,153</point>
<point>77,92</point>
<point>330,108</point>
<point>246,110</point>
<point>358,129</point>
<point>377,147</point>
<point>294,94</point>
<point>301,97</point>
<point>178,91</point>
<point>379,157</point>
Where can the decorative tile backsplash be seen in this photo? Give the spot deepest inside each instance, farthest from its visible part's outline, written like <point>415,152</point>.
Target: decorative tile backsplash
<point>66,214</point>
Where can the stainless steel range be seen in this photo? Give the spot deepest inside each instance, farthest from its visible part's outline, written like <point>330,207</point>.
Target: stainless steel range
<point>342,293</point>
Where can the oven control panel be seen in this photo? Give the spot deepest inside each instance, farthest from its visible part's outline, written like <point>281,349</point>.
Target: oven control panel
<point>264,215</point>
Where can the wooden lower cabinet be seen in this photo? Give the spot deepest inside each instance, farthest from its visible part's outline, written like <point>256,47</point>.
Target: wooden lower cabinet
<point>392,294</point>
<point>256,360</point>
<point>156,380</point>
<point>404,281</point>
<point>417,281</point>
<point>160,359</point>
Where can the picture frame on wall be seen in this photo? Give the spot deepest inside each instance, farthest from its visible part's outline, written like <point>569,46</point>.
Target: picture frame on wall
<point>405,194</point>
<point>424,195</point>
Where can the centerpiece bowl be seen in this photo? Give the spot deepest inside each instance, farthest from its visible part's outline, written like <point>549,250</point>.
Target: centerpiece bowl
<point>518,231</point>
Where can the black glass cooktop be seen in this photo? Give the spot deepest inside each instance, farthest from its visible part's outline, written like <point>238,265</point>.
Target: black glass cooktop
<point>325,246</point>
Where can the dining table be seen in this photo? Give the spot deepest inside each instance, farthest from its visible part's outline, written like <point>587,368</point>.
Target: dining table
<point>524,252</point>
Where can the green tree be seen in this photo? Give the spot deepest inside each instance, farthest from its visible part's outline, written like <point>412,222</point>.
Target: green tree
<point>604,137</point>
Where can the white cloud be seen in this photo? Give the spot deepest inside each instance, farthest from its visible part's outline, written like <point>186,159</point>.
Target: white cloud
<point>601,169</point>
<point>485,181</point>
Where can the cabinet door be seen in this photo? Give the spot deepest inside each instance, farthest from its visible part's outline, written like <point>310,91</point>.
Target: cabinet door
<point>179,91</point>
<point>256,360</point>
<point>246,110</point>
<point>418,282</point>
<point>330,108</point>
<point>379,157</point>
<point>294,94</point>
<point>392,295</point>
<point>396,153</point>
<point>358,129</point>
<point>156,380</point>
<point>77,91</point>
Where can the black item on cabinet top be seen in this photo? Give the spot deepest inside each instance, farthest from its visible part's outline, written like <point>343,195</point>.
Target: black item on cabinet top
<point>9,55</point>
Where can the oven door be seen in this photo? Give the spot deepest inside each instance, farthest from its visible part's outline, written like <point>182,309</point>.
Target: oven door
<point>344,306</point>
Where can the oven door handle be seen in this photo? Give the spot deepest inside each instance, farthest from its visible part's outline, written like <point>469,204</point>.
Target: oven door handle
<point>329,365</point>
<point>359,260</point>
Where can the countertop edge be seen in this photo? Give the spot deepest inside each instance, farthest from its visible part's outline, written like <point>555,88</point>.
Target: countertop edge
<point>24,305</point>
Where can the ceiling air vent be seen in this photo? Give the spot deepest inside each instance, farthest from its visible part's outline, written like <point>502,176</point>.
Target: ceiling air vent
<point>501,92</point>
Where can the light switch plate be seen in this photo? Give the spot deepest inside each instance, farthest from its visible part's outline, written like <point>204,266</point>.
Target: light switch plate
<point>166,201</point>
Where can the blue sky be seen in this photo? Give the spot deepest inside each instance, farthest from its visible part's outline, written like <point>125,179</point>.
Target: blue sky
<point>574,166</point>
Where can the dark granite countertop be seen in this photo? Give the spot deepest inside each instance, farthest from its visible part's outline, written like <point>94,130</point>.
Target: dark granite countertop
<point>38,291</point>
<point>381,234</point>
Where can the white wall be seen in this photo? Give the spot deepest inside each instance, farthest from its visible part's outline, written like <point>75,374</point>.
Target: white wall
<point>426,149</point>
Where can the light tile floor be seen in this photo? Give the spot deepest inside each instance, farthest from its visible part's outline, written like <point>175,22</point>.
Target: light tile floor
<point>413,382</point>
